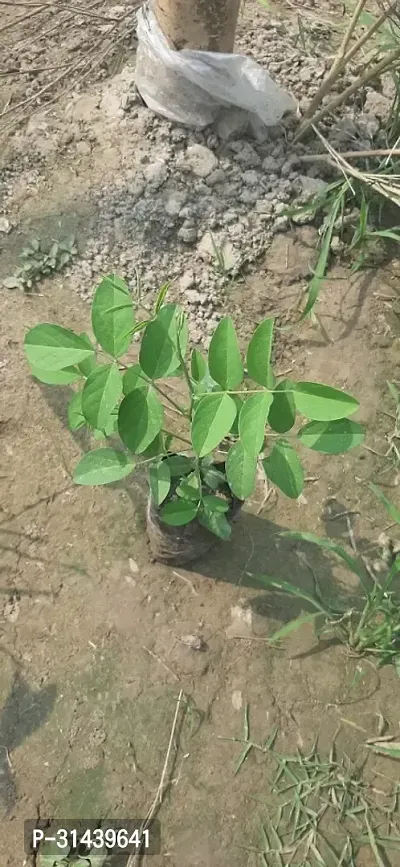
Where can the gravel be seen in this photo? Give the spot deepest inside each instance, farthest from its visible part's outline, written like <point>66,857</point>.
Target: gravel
<point>194,207</point>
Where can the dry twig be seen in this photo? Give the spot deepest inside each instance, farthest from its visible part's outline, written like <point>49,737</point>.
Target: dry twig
<point>134,858</point>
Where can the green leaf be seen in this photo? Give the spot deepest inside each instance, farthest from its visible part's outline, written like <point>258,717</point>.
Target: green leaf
<point>161,297</point>
<point>110,428</point>
<point>103,466</point>
<point>391,509</point>
<point>234,431</point>
<point>216,522</point>
<point>140,419</point>
<point>241,471</point>
<point>258,360</point>
<point>51,347</point>
<point>189,488</point>
<point>113,315</point>
<point>331,437</point>
<point>282,414</point>
<point>156,448</point>
<point>159,356</point>
<point>160,482</point>
<point>291,590</point>
<point>206,385</point>
<point>215,504</point>
<point>315,283</point>
<point>322,402</point>
<point>224,359</point>
<point>89,364</point>
<point>213,478</point>
<point>283,468</point>
<point>56,377</point>
<point>100,395</point>
<point>212,421</point>
<point>291,627</point>
<point>252,421</point>
<point>179,512</point>
<point>391,750</point>
<point>76,419</point>
<point>180,465</point>
<point>133,378</point>
<point>198,366</point>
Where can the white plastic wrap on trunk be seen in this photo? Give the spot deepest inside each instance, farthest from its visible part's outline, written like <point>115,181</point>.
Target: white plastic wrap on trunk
<point>190,87</point>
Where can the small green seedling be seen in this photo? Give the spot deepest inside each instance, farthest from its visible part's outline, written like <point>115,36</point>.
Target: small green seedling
<point>38,261</point>
<point>251,416</point>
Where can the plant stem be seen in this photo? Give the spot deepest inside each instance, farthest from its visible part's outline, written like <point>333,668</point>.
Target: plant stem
<point>338,63</point>
<point>178,437</point>
<point>366,36</point>
<point>363,79</point>
<point>170,400</point>
<point>381,152</point>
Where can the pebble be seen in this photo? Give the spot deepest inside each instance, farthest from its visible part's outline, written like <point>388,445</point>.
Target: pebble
<point>201,160</point>
<point>187,234</point>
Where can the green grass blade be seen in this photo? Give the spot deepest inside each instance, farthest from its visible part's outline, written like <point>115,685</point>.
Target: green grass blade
<point>391,509</point>
<point>373,844</point>
<point>291,590</point>
<point>292,626</point>
<point>315,283</point>
<point>391,750</point>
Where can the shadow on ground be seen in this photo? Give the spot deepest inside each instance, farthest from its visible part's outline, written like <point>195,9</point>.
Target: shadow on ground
<point>25,711</point>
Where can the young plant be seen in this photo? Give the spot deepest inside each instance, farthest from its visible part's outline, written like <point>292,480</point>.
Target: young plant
<point>38,262</point>
<point>249,413</point>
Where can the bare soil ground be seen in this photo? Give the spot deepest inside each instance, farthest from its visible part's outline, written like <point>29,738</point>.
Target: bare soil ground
<point>91,631</point>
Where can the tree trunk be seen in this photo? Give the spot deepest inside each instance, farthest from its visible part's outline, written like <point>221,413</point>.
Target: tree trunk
<point>203,25</point>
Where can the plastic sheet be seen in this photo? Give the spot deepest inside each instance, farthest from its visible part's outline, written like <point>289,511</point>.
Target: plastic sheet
<point>190,87</point>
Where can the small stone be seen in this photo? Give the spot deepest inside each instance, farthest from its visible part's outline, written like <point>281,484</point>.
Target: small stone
<point>156,174</point>
<point>263,206</point>
<point>281,223</point>
<point>216,177</point>
<point>251,177</point>
<point>230,217</point>
<point>248,157</point>
<point>195,642</point>
<point>201,160</point>
<point>270,164</point>
<point>237,700</point>
<point>186,281</point>
<point>248,197</point>
<point>133,566</point>
<point>175,202</point>
<point>241,622</point>
<point>377,104</point>
<point>311,186</point>
<point>5,225</point>
<point>192,296</point>
<point>205,249</point>
<point>187,234</point>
